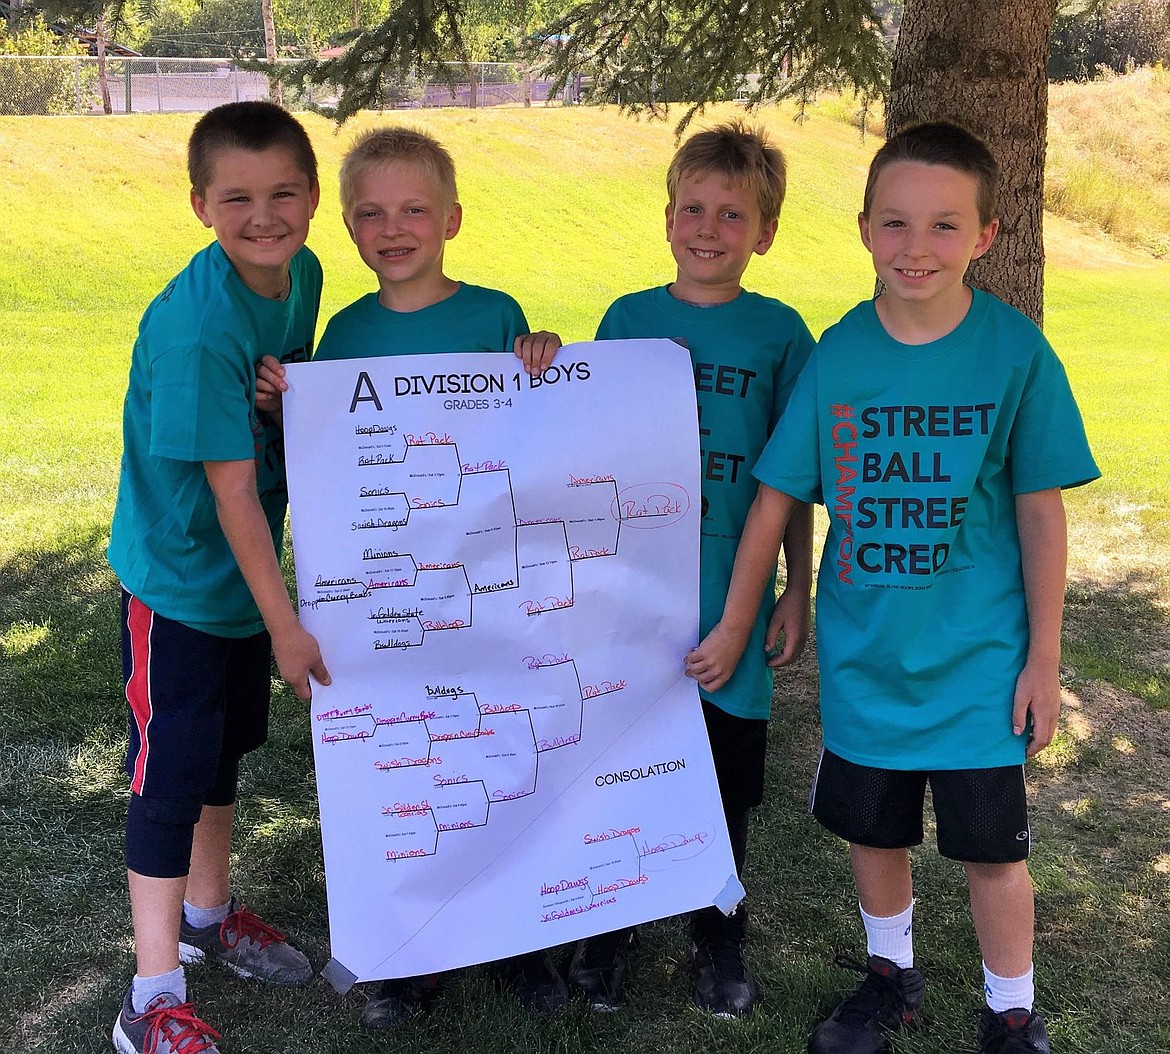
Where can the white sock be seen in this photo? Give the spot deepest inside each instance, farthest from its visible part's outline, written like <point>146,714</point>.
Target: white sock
<point>144,989</point>
<point>201,917</point>
<point>891,937</point>
<point>1008,993</point>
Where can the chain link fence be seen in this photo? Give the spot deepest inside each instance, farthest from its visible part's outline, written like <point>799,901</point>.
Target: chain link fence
<point>42,84</point>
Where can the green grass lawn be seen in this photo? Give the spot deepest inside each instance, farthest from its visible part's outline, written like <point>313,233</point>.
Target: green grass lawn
<point>564,209</point>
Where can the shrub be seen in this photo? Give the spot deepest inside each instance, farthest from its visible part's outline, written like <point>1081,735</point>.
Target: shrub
<point>1104,36</point>
<point>34,85</point>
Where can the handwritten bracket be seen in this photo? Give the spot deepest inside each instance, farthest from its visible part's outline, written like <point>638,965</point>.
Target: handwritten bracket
<point>650,505</point>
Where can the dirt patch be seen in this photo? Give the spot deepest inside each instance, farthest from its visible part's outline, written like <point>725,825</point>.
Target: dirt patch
<point>1129,740</point>
<point>1076,245</point>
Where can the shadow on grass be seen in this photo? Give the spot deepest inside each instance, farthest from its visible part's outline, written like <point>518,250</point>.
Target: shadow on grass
<point>63,925</point>
<point>1101,816</point>
<point>59,633</point>
<point>1119,631</point>
<point>65,937</point>
<point>1099,808</point>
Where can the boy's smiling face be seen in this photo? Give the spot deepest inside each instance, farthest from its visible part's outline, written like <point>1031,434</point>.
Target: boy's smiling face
<point>714,227</point>
<point>401,221</point>
<point>259,203</point>
<point>923,229</point>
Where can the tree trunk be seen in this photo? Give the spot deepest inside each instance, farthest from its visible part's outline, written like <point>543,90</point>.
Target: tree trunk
<point>525,34</point>
<point>99,32</point>
<point>983,64</point>
<point>275,92</point>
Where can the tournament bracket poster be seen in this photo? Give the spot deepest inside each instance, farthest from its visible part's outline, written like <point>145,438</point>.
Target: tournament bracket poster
<point>502,573</point>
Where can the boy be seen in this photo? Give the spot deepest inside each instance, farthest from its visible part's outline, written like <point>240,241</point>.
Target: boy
<point>195,542</point>
<point>938,427</point>
<point>399,202</point>
<point>398,197</point>
<point>725,187</point>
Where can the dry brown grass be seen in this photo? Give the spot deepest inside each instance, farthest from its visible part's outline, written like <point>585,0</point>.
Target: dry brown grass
<point>1108,142</point>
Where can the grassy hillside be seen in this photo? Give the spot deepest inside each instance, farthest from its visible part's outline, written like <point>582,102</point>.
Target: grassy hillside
<point>1106,164</point>
<point>563,208</point>
<point>1107,150</point>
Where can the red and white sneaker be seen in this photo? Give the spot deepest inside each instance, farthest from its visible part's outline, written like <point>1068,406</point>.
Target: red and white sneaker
<point>246,944</point>
<point>166,1026</point>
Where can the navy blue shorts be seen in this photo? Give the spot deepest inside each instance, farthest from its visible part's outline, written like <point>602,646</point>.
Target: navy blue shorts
<point>739,748</point>
<point>981,814</point>
<point>196,701</point>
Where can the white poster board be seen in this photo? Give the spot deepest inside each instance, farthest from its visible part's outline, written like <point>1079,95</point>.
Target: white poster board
<point>502,573</point>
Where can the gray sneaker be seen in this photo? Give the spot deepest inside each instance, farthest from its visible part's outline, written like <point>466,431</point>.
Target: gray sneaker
<point>165,1027</point>
<point>247,945</point>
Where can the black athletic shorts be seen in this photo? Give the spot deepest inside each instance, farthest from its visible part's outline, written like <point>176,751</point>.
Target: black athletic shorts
<point>739,746</point>
<point>192,697</point>
<point>981,814</point>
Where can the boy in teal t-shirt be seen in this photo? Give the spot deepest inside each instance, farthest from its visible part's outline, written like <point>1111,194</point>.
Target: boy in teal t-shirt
<point>937,426</point>
<point>725,188</point>
<point>195,542</point>
<point>399,201</point>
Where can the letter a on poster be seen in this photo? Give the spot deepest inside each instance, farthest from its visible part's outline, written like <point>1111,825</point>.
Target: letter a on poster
<point>502,572</point>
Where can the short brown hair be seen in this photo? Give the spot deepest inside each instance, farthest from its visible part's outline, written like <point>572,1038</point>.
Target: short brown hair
<point>941,143</point>
<point>251,126</point>
<point>385,146</point>
<point>740,153</point>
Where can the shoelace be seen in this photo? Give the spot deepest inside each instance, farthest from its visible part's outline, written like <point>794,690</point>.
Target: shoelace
<point>877,997</point>
<point>178,1025</point>
<point>241,924</point>
<point>1004,1038</point>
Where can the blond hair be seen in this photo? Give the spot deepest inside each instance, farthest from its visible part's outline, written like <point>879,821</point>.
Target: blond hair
<point>741,154</point>
<point>382,147</point>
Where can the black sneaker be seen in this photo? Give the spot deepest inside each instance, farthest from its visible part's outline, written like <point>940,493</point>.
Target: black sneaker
<point>399,999</point>
<point>599,967</point>
<point>1016,1031</point>
<point>883,1003</point>
<point>535,981</point>
<point>723,984</point>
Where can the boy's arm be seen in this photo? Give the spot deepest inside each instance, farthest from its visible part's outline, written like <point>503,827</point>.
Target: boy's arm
<point>241,516</point>
<point>536,351</point>
<point>790,617</point>
<point>1043,557</point>
<point>714,661</point>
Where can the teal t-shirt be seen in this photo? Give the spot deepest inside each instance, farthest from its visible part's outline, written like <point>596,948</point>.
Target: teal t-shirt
<point>472,319</point>
<point>746,356</point>
<point>918,453</point>
<point>190,399</point>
